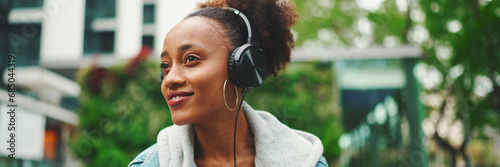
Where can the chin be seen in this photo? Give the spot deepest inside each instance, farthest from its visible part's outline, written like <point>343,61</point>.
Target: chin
<point>180,119</point>
<point>180,122</point>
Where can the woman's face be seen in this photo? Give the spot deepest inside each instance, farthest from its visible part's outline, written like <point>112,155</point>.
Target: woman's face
<point>194,61</point>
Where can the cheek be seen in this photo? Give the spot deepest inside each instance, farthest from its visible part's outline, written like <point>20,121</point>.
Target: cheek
<point>209,80</point>
<point>208,84</point>
<point>163,90</point>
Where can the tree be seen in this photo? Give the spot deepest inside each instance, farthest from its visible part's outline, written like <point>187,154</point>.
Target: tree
<point>461,43</point>
<point>465,48</point>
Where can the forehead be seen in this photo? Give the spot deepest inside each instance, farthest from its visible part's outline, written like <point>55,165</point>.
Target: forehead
<point>196,30</point>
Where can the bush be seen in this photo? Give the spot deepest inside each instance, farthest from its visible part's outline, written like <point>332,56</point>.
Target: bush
<point>303,97</point>
<point>121,112</point>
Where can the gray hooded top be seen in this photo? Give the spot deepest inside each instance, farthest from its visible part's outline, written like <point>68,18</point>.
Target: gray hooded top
<point>275,144</point>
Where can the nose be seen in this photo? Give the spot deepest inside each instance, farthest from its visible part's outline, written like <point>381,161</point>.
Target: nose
<point>174,78</point>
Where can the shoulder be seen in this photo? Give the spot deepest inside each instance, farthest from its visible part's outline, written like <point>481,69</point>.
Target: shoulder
<point>148,157</point>
<point>322,162</point>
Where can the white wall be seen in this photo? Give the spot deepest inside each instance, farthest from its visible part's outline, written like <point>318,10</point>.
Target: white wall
<point>62,30</point>
<point>128,34</point>
<point>63,27</point>
<point>29,133</point>
<point>168,14</point>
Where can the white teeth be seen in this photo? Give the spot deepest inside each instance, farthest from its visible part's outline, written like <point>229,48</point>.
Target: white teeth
<point>175,97</point>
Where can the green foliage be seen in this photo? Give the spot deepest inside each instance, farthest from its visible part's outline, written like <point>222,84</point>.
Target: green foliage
<point>303,98</point>
<point>120,113</point>
<point>341,17</point>
<point>475,48</point>
<point>468,29</point>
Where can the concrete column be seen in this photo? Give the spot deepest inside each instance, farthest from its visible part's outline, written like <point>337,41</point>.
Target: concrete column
<point>128,34</point>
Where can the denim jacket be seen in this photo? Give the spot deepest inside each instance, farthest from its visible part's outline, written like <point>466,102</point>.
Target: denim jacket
<point>149,158</point>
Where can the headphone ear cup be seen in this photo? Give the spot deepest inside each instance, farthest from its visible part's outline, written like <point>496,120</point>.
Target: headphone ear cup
<point>254,66</point>
<point>247,66</point>
<point>231,69</point>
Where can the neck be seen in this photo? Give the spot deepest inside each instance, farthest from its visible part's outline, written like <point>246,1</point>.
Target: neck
<point>214,140</point>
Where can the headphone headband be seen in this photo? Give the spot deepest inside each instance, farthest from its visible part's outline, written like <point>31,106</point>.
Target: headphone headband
<point>247,64</point>
<point>245,19</point>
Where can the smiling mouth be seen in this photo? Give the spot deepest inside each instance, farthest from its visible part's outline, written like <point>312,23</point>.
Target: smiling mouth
<point>175,98</point>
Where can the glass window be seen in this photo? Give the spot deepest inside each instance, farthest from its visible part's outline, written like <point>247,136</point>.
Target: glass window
<point>100,9</point>
<point>4,4</point>
<point>98,42</point>
<point>148,14</point>
<point>4,42</point>
<point>148,41</point>
<point>27,3</point>
<point>23,40</point>
<point>70,103</point>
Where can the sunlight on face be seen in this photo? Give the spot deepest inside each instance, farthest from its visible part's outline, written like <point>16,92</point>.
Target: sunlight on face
<point>194,61</point>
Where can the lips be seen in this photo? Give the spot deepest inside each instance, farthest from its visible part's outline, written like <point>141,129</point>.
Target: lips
<point>177,97</point>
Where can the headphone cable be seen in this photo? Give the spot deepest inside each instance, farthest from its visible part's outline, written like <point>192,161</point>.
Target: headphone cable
<point>236,123</point>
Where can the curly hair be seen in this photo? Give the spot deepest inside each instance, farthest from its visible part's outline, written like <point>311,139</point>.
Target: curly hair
<point>270,19</point>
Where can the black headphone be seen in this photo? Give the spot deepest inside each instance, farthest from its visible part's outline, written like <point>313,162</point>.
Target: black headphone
<point>247,65</point>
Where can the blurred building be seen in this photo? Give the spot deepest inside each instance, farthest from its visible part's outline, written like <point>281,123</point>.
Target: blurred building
<point>51,40</point>
<point>381,109</point>
<point>44,118</point>
<point>64,35</point>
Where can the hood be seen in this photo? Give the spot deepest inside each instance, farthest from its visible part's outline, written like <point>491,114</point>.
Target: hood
<point>275,143</point>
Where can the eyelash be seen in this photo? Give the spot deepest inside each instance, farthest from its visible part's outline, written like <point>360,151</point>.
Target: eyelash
<point>189,56</point>
<point>165,65</point>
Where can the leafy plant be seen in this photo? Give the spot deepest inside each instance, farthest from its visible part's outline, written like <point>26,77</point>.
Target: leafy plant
<point>304,97</point>
<point>121,112</point>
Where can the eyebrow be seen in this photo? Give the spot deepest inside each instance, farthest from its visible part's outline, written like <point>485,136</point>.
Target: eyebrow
<point>180,49</point>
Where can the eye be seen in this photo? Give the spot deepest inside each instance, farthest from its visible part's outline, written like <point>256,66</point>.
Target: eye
<point>191,58</point>
<point>164,66</point>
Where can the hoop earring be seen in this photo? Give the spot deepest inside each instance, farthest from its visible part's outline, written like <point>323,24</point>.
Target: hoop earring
<point>224,95</point>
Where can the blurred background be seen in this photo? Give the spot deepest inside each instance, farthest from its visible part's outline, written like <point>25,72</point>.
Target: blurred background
<point>380,82</point>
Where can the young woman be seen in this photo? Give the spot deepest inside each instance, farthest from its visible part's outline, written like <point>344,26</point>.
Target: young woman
<point>208,62</point>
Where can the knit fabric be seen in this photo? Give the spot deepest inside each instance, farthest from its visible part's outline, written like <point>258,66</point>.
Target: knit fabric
<point>275,143</point>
